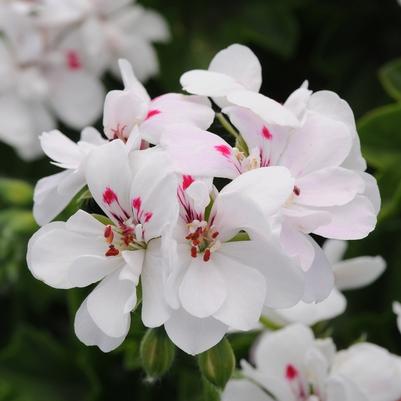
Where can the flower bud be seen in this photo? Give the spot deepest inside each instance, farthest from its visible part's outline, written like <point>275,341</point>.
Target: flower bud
<point>15,192</point>
<point>218,363</point>
<point>157,352</point>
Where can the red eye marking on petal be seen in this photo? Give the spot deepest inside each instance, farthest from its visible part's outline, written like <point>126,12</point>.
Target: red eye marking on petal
<point>148,216</point>
<point>136,203</point>
<point>109,196</point>
<point>266,133</point>
<point>296,191</point>
<point>152,113</point>
<point>112,251</point>
<point>187,180</point>
<point>73,60</point>
<point>224,150</point>
<point>291,372</point>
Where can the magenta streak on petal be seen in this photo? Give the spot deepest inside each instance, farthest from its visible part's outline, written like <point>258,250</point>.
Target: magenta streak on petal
<point>224,150</point>
<point>110,198</point>
<point>291,372</point>
<point>73,60</point>
<point>187,180</point>
<point>152,113</point>
<point>266,133</point>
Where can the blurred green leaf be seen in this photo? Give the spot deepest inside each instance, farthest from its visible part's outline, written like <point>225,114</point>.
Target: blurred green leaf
<point>389,181</point>
<point>390,77</point>
<point>15,192</point>
<point>380,133</point>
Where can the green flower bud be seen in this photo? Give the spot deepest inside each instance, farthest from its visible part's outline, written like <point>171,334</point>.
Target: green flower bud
<point>15,192</point>
<point>157,352</point>
<point>218,363</point>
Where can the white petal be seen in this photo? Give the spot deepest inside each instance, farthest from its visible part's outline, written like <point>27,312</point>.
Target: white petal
<point>107,305</point>
<point>355,220</point>
<point>397,311</point>
<point>77,98</point>
<point>358,272</point>
<point>239,62</point>
<point>341,388</point>
<point>310,148</point>
<point>372,191</point>
<point>194,335</point>
<point>284,279</point>
<point>333,186</point>
<point>90,334</point>
<point>130,80</point>
<point>208,83</point>
<point>334,250</point>
<point>203,289</point>
<point>155,310</point>
<point>246,291</point>
<point>244,390</point>
<point>268,109</point>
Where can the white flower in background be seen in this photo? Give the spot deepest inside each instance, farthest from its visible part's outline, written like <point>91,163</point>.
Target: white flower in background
<point>218,282</point>
<point>291,365</point>
<point>397,311</point>
<point>141,205</point>
<point>348,274</point>
<point>132,113</point>
<point>52,194</point>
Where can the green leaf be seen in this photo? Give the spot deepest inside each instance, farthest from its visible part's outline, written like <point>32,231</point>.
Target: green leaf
<point>34,367</point>
<point>390,77</point>
<point>15,192</point>
<point>380,133</point>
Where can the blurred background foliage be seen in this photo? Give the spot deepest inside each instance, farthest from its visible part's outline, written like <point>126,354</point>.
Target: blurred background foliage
<point>350,47</point>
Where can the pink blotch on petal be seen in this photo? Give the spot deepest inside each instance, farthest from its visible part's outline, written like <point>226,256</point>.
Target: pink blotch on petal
<point>291,372</point>
<point>73,60</point>
<point>148,216</point>
<point>109,196</point>
<point>266,133</point>
<point>224,150</point>
<point>136,203</point>
<point>187,180</point>
<point>152,113</point>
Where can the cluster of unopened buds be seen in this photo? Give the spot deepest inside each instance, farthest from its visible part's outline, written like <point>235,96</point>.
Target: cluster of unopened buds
<point>211,260</point>
<point>54,54</point>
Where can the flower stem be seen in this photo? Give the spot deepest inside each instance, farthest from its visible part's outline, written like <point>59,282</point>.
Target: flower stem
<point>239,141</point>
<point>269,324</point>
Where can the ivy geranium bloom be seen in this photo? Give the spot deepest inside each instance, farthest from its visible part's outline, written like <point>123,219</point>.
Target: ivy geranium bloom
<point>140,204</point>
<point>131,112</point>
<point>220,281</point>
<point>348,274</point>
<point>53,193</point>
<point>291,365</point>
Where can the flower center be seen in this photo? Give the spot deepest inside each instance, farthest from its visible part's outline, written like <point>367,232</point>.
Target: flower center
<point>295,193</point>
<point>202,238</point>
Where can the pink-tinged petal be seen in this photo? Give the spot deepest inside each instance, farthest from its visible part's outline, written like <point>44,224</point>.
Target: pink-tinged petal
<point>334,186</point>
<point>203,289</point>
<point>122,111</point>
<point>372,191</point>
<point>355,220</point>
<point>76,97</point>
<point>173,108</point>
<point>241,64</point>
<point>319,143</point>
<point>246,292</point>
<point>244,390</point>
<point>200,153</point>
<point>106,305</point>
<point>194,335</point>
<point>261,193</point>
<point>358,272</point>
<point>306,219</point>
<point>208,83</point>
<point>109,179</point>
<point>267,109</point>
<point>61,149</point>
<point>319,278</point>
<point>284,278</point>
<point>298,101</point>
<point>90,334</point>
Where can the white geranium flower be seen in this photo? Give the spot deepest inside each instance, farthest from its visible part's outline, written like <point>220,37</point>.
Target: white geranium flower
<point>141,205</point>
<point>397,311</point>
<point>291,365</point>
<point>348,274</point>
<point>217,283</point>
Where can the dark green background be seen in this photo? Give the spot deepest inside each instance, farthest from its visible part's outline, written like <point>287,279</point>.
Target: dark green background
<point>338,45</point>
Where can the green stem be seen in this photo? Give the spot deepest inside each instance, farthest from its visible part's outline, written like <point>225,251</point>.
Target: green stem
<point>269,324</point>
<point>239,141</point>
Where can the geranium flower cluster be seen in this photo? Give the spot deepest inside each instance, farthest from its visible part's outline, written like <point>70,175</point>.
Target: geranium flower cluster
<point>291,365</point>
<point>54,54</point>
<point>199,260</point>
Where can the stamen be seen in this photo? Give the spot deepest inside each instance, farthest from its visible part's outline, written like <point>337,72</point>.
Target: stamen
<point>112,251</point>
<point>206,255</point>
<point>296,191</point>
<point>108,234</point>
<point>194,251</point>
